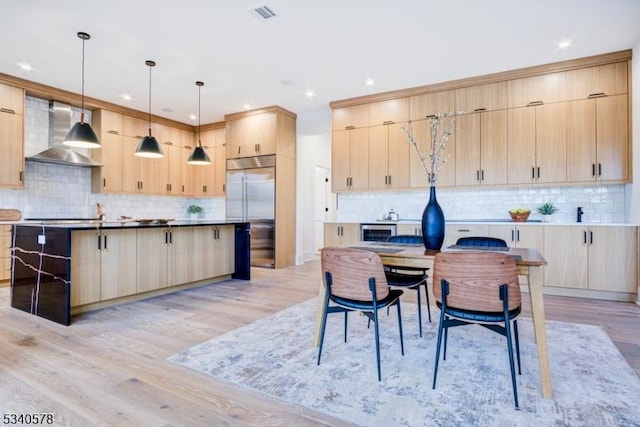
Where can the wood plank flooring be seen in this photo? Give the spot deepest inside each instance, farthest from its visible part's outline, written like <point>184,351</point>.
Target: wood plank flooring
<point>109,367</point>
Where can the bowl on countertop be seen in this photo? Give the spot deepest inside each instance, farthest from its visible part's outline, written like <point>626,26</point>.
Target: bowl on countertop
<point>519,216</point>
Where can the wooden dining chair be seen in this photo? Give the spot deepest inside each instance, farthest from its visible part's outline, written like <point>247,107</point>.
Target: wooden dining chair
<point>473,287</point>
<point>409,277</point>
<point>354,280</point>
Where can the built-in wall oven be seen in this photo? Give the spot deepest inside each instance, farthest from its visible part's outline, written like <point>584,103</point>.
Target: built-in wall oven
<point>376,232</point>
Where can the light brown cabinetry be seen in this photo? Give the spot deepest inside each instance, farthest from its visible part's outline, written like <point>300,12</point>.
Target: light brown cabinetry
<point>537,144</point>
<point>252,135</point>
<point>209,180</point>
<point>536,90</point>
<point>481,148</point>
<point>102,265</point>
<point>594,82</point>
<point>349,159</point>
<point>170,171</point>
<point>5,253</point>
<point>520,236</point>
<point>356,116</point>
<point>388,157</point>
<point>429,104</point>
<point>479,98</point>
<point>598,139</point>
<point>214,246</point>
<point>108,177</point>
<point>599,258</point>
<point>409,229</point>
<point>452,232</point>
<point>341,234</point>
<point>12,136</point>
<point>140,174</point>
<point>390,111</point>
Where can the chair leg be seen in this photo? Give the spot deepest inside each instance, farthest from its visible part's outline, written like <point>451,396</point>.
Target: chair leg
<point>400,328</point>
<point>323,326</point>
<point>346,313</point>
<point>426,293</point>
<point>435,369</point>
<point>375,326</point>
<point>419,310</point>
<point>515,333</point>
<point>507,325</point>
<point>446,338</point>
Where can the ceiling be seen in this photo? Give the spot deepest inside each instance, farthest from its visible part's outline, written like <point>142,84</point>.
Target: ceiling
<point>328,46</point>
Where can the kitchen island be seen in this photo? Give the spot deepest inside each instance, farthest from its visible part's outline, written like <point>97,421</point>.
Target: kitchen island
<point>62,268</point>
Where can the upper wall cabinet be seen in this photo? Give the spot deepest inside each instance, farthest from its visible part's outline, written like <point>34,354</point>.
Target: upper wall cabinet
<point>12,136</point>
<point>544,89</point>
<point>479,98</point>
<point>108,178</point>
<point>388,112</point>
<point>430,104</point>
<point>593,82</point>
<point>260,132</point>
<point>356,116</point>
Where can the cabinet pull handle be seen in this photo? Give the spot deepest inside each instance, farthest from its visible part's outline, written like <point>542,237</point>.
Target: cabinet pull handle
<point>482,175</point>
<point>389,180</point>
<point>479,110</point>
<point>168,143</point>
<point>166,237</point>
<point>477,175</point>
<point>7,110</point>
<point>517,235</point>
<point>238,149</point>
<point>513,235</point>
<point>533,173</point>
<point>599,169</point>
<point>430,116</point>
<point>106,247</point>
<point>596,95</point>
<point>534,103</point>
<point>113,132</point>
<point>99,242</point>
<point>538,172</point>
<point>463,230</point>
<point>20,176</point>
<point>584,233</point>
<point>349,127</point>
<point>593,170</point>
<point>104,182</point>
<point>388,122</point>
<point>170,237</point>
<point>590,237</point>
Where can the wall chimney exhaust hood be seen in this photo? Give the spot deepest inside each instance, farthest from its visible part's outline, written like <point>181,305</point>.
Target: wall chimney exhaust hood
<point>59,125</point>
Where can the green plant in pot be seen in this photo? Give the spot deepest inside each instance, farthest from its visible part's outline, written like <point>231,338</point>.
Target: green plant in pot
<point>547,209</point>
<point>194,210</point>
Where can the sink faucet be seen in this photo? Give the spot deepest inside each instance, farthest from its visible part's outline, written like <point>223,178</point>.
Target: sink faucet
<point>580,213</point>
<point>392,214</point>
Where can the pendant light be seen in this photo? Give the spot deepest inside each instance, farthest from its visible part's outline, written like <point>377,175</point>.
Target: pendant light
<point>81,134</point>
<point>148,146</point>
<point>199,156</point>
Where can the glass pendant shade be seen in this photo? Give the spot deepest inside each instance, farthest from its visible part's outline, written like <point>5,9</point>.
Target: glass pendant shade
<point>81,134</point>
<point>149,146</point>
<point>199,157</point>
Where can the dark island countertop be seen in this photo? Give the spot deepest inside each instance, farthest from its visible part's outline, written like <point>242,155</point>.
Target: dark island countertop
<point>119,224</point>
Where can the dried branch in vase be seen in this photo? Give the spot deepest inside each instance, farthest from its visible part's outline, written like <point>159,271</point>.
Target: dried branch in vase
<point>432,161</point>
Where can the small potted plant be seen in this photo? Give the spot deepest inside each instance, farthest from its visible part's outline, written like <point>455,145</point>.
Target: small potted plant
<point>547,209</point>
<point>193,211</point>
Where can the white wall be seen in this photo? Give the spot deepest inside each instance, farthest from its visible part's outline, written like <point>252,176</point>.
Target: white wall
<point>633,190</point>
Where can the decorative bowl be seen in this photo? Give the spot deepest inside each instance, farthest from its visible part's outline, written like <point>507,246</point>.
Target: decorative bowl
<point>519,216</point>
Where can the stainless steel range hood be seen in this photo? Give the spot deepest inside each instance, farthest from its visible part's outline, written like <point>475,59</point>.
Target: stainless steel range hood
<point>59,125</point>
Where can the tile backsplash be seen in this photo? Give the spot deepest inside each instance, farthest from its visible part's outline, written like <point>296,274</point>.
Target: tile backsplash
<point>600,203</point>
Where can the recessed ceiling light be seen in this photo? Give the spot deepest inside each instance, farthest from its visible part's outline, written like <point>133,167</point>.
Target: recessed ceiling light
<point>193,117</point>
<point>168,110</point>
<point>126,97</point>
<point>565,43</point>
<point>24,66</point>
<point>246,106</point>
<point>309,93</point>
<point>369,82</point>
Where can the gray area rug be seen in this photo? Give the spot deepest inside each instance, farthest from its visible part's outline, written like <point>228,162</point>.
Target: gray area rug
<point>592,383</point>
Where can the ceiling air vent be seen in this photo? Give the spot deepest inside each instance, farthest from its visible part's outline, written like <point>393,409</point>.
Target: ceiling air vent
<point>265,12</point>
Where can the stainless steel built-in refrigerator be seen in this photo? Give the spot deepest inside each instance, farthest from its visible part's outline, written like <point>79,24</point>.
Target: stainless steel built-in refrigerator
<point>250,196</point>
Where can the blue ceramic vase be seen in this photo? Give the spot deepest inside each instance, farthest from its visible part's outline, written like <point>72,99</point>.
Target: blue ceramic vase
<point>433,222</point>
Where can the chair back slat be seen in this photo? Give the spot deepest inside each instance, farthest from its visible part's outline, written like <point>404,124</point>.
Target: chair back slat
<point>405,238</point>
<point>350,272</point>
<point>475,279</point>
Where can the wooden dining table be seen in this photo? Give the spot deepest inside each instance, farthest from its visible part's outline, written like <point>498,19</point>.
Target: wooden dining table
<point>529,262</point>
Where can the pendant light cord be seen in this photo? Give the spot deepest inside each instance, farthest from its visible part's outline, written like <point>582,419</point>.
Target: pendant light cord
<point>150,100</point>
<point>82,89</point>
<point>199,141</point>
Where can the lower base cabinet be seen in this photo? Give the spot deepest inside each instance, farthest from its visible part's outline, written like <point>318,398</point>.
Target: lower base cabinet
<point>599,258</point>
<point>341,233</point>
<point>108,264</point>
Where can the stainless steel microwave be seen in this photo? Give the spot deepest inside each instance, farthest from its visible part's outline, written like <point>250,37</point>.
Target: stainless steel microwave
<point>376,232</point>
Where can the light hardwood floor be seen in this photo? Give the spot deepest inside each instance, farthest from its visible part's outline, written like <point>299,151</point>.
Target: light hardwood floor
<point>109,367</point>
